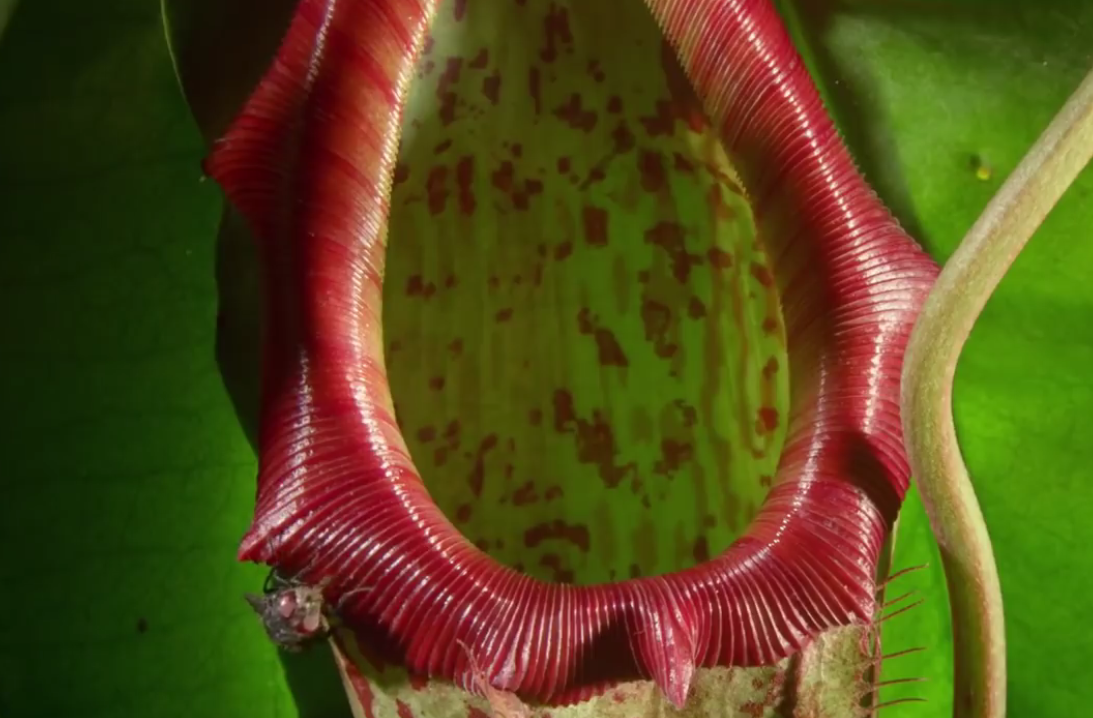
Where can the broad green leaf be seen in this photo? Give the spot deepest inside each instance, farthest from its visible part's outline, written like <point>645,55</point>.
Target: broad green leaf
<point>127,481</point>
<point>130,480</point>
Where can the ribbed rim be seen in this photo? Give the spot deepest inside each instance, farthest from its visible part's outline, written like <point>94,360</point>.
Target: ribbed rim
<point>309,162</point>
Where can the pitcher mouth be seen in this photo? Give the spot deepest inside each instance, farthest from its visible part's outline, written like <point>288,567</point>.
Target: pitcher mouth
<point>311,162</point>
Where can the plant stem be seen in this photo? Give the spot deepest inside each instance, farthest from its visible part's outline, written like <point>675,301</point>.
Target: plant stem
<point>966,283</point>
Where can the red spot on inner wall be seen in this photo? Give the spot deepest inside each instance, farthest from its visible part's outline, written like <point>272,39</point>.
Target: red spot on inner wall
<point>585,323</point>
<point>653,175</point>
<point>415,286</point>
<point>535,417</point>
<point>561,573</point>
<point>753,709</point>
<point>609,352</point>
<point>719,258</point>
<point>595,71</point>
<point>554,492</point>
<point>623,138</point>
<point>608,349</point>
<point>442,147</point>
<point>555,32</point>
<point>525,495</point>
<point>503,177</point>
<point>594,220</point>
<point>436,383</point>
<point>460,9</point>
<point>563,250</point>
<point>663,123</point>
<point>463,513</point>
<point>701,550</point>
<point>456,347</point>
<point>681,163</point>
<point>686,103</point>
<point>426,434</point>
<point>721,210</point>
<point>503,315</point>
<point>453,67</point>
<point>475,712</point>
<point>491,87</point>
<point>563,165</point>
<point>534,89</point>
<point>478,471</point>
<point>614,104</point>
<point>480,60</point>
<point>574,115</point>
<point>594,438</point>
<point>673,455</point>
<point>762,274</point>
<point>669,237</point>
<point>596,175</point>
<point>402,173</point>
<point>695,308</point>
<point>363,690</point>
<point>464,176</point>
<point>447,108</point>
<point>576,534</point>
<point>657,319</point>
<point>767,420</point>
<point>436,189</point>
<point>444,85</point>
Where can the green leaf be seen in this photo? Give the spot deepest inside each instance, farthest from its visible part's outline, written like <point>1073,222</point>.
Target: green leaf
<point>130,480</point>
<point>127,481</point>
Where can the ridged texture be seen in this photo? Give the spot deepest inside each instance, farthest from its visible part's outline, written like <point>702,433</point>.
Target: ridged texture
<point>309,162</point>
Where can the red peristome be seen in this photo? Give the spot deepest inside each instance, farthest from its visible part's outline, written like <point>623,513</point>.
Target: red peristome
<point>310,161</point>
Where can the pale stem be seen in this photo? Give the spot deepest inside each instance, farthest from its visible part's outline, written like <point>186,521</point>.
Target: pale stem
<point>967,281</point>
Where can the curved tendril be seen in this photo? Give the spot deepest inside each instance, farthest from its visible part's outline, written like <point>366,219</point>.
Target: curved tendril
<point>966,283</point>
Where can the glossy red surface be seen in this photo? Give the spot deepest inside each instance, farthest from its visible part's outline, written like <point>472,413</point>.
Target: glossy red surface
<point>309,163</point>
